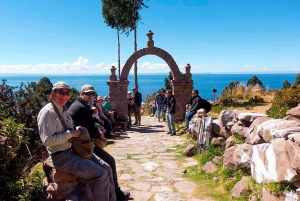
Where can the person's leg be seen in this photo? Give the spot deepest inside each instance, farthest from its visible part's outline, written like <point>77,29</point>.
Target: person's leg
<point>172,123</point>
<point>136,116</point>
<point>188,117</point>
<point>139,115</point>
<point>169,123</point>
<point>158,112</point>
<point>111,161</point>
<point>129,118</point>
<point>95,170</point>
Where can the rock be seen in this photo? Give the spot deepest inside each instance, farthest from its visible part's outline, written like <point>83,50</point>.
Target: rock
<point>216,127</point>
<point>271,162</point>
<point>230,142</point>
<point>290,117</point>
<point>254,138</point>
<point>229,125</point>
<point>240,130</point>
<point>210,167</point>
<point>189,150</point>
<point>224,132</point>
<point>216,160</point>
<point>225,117</point>
<point>250,116</point>
<point>242,157</point>
<point>218,141</point>
<point>295,137</point>
<point>293,151</point>
<point>295,112</point>
<point>240,188</point>
<point>265,195</point>
<point>61,185</point>
<point>228,161</point>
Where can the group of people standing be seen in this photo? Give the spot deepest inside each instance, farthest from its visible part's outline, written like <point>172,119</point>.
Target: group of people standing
<point>164,106</point>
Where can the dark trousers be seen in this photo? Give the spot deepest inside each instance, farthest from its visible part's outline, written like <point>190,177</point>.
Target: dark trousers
<point>109,160</point>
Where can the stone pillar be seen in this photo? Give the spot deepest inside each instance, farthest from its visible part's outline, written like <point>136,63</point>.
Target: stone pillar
<point>182,90</point>
<point>118,99</point>
<point>187,75</point>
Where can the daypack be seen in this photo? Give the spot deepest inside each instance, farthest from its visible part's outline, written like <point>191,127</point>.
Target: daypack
<point>206,105</point>
<point>83,145</point>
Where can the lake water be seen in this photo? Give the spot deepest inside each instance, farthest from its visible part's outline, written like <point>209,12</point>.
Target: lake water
<point>150,83</point>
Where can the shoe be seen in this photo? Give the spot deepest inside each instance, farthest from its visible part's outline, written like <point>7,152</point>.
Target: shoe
<point>164,119</point>
<point>173,134</point>
<point>135,123</point>
<point>169,132</point>
<point>121,195</point>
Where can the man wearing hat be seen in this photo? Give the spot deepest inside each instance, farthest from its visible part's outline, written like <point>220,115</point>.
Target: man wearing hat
<point>159,101</point>
<point>138,102</point>
<point>82,116</point>
<point>57,141</point>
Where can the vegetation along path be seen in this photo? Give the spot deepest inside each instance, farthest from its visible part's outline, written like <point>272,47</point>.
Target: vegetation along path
<point>147,166</point>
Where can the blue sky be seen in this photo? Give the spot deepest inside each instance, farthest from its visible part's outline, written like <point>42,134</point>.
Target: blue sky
<point>70,36</point>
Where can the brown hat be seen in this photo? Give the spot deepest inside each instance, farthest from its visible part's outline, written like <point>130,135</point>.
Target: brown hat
<point>87,88</point>
<point>60,85</point>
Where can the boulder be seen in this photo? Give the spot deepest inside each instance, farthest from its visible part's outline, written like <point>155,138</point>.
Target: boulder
<point>240,130</point>
<point>228,161</point>
<point>271,162</point>
<point>218,141</point>
<point>229,142</point>
<point>240,188</point>
<point>242,157</point>
<point>250,116</point>
<point>189,150</point>
<point>60,185</point>
<point>273,128</point>
<point>295,112</point>
<point>216,126</point>
<point>295,137</point>
<point>290,196</point>
<point>290,117</point>
<point>225,117</point>
<point>210,167</point>
<point>254,138</point>
<point>224,132</point>
<point>216,160</point>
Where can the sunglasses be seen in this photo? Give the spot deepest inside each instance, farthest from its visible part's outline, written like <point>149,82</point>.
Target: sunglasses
<point>89,93</point>
<point>63,93</point>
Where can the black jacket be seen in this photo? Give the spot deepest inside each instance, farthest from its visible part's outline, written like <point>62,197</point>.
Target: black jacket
<point>81,115</point>
<point>195,103</point>
<point>138,99</point>
<point>171,101</point>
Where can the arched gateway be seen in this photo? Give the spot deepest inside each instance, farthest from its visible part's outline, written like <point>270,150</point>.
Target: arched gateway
<point>181,86</point>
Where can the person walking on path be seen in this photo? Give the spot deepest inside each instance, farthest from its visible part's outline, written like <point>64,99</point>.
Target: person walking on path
<point>81,114</point>
<point>169,107</point>
<point>138,102</point>
<point>196,104</point>
<point>57,141</point>
<point>159,98</point>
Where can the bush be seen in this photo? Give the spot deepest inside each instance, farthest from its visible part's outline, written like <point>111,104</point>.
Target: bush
<point>283,101</point>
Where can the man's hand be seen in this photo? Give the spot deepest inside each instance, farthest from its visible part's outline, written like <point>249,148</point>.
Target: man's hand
<point>78,131</point>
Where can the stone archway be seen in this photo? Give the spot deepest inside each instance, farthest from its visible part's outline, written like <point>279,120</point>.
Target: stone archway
<point>181,86</point>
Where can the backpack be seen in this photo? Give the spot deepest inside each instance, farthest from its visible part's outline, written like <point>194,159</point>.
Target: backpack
<point>206,105</point>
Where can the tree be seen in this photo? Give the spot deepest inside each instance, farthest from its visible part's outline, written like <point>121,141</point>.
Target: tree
<point>214,90</point>
<point>123,16</point>
<point>255,81</point>
<point>286,84</point>
<point>297,82</point>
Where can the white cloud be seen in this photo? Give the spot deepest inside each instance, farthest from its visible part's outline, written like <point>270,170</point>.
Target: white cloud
<point>265,69</point>
<point>247,65</point>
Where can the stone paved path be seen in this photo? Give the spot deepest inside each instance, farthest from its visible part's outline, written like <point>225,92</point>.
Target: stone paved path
<point>146,168</point>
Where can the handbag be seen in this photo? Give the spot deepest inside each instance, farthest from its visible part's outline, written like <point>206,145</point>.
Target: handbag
<point>99,142</point>
<point>83,145</point>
